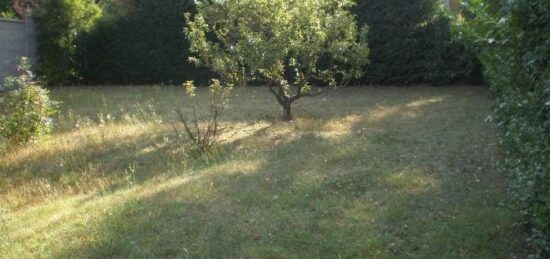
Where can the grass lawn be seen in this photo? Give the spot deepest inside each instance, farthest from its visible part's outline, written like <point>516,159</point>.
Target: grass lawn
<point>360,173</point>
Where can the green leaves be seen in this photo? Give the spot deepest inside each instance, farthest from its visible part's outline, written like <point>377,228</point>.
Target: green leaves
<point>285,44</point>
<point>59,24</point>
<point>513,38</point>
<point>26,108</point>
<point>261,40</point>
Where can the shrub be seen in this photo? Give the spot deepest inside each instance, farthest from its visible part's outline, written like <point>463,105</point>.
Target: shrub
<point>59,23</point>
<point>202,139</point>
<point>26,107</point>
<point>138,42</point>
<point>514,39</point>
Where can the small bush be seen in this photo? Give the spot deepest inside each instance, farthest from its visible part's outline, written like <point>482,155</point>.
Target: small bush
<point>203,138</point>
<point>26,107</point>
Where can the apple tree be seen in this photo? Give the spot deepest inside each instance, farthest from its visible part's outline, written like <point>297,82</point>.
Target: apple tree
<point>286,45</point>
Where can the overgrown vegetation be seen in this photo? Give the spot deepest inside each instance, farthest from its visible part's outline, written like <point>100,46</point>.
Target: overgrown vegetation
<point>286,45</point>
<point>410,43</point>
<point>514,40</point>
<point>59,24</point>
<point>26,107</point>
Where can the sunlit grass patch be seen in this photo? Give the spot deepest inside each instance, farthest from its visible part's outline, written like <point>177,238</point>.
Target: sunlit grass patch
<point>90,158</point>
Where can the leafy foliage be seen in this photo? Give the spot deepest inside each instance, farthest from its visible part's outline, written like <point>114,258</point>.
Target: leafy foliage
<point>26,107</point>
<point>141,42</point>
<point>138,42</point>
<point>410,42</point>
<point>514,39</point>
<point>59,24</point>
<point>6,10</point>
<point>286,44</point>
<point>446,59</point>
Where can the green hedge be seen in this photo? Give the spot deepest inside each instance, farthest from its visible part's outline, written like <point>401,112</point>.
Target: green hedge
<point>141,42</point>
<point>410,42</point>
<point>514,39</point>
<point>59,23</point>
<point>138,42</point>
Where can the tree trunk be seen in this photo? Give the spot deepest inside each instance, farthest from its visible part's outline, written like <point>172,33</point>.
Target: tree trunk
<point>287,112</point>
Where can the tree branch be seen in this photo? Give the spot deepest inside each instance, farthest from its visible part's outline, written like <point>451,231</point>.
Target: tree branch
<point>185,125</point>
<point>279,98</point>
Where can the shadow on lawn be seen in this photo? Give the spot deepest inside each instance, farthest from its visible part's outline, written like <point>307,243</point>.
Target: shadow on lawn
<point>87,165</point>
<point>385,194</point>
<point>92,162</point>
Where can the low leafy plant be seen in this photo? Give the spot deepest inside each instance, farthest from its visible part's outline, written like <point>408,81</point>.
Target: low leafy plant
<point>26,107</point>
<point>203,137</point>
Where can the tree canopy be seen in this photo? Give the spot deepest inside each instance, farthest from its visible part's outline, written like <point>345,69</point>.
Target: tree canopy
<point>287,45</point>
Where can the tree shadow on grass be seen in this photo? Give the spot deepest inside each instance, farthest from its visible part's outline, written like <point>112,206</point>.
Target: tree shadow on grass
<point>87,163</point>
<point>394,193</point>
<point>105,157</point>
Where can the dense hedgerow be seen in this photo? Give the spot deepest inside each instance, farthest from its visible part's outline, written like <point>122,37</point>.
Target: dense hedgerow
<point>446,59</point>
<point>59,24</point>
<point>514,39</point>
<point>141,42</point>
<point>26,107</point>
<point>138,42</point>
<point>410,42</point>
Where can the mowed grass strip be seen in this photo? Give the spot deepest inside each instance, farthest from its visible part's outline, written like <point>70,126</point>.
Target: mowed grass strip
<point>360,173</point>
